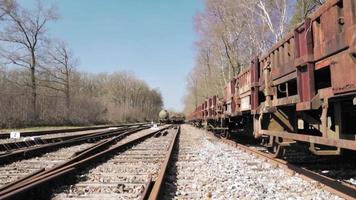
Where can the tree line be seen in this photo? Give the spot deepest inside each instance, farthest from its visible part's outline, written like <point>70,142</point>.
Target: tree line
<point>41,85</point>
<point>233,32</point>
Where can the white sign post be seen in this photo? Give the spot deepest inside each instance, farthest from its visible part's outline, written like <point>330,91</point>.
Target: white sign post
<point>15,135</point>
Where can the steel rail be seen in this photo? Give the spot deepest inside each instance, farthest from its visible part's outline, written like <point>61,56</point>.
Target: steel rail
<point>11,146</point>
<point>343,190</point>
<point>77,155</point>
<point>79,161</point>
<point>69,130</point>
<point>26,152</point>
<point>153,189</point>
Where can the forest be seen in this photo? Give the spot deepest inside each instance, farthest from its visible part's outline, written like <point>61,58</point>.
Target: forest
<point>231,34</point>
<point>41,84</point>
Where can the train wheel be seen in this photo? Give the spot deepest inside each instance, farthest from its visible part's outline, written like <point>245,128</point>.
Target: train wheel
<point>277,150</point>
<point>225,134</point>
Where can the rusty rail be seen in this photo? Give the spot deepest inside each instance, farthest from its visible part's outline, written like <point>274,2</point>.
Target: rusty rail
<point>343,190</point>
<point>10,146</point>
<point>69,130</point>
<point>153,188</point>
<point>34,150</point>
<point>36,180</point>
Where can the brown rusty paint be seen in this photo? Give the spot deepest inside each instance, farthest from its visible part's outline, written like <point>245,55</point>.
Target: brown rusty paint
<point>305,82</point>
<point>286,100</point>
<point>303,39</point>
<point>343,73</point>
<point>244,82</point>
<point>327,38</point>
<point>231,90</point>
<point>303,55</point>
<point>285,78</point>
<point>285,39</point>
<point>254,83</point>
<point>254,67</point>
<point>333,26</point>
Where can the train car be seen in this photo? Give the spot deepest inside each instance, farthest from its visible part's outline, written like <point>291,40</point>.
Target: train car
<point>169,117</point>
<point>176,118</point>
<point>163,116</point>
<point>303,89</point>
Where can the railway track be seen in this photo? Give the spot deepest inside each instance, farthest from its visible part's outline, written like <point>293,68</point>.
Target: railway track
<point>82,160</point>
<point>25,149</point>
<point>16,170</point>
<point>6,135</point>
<point>181,182</point>
<point>340,168</point>
<point>203,167</point>
<point>333,185</point>
<point>160,164</point>
<point>35,137</point>
<point>137,173</point>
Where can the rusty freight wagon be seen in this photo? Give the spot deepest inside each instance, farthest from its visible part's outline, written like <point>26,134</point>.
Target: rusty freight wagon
<point>303,89</point>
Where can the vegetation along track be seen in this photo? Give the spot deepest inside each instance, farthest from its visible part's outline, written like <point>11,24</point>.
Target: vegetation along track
<point>82,160</point>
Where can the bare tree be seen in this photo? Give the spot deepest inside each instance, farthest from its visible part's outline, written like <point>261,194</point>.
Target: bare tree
<point>40,84</point>
<point>303,8</point>
<point>60,66</point>
<point>234,32</point>
<point>22,35</point>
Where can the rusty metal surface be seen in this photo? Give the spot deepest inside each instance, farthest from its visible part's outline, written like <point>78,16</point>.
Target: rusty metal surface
<point>38,179</point>
<point>69,130</point>
<point>305,81</point>
<point>11,146</point>
<point>254,67</point>
<point>229,89</point>
<point>330,27</point>
<point>303,43</point>
<point>342,143</point>
<point>313,64</point>
<point>38,133</point>
<point>343,73</point>
<point>32,151</point>
<point>155,192</point>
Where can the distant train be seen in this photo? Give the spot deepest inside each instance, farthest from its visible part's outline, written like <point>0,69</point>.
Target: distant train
<point>171,117</point>
<point>302,90</point>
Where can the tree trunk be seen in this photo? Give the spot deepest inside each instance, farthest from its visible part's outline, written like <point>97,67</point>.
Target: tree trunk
<point>34,117</point>
<point>67,94</point>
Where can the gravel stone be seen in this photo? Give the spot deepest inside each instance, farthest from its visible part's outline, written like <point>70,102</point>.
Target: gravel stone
<point>208,169</point>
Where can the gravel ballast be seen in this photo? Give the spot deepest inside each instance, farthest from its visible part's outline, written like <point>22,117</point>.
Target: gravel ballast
<point>208,169</point>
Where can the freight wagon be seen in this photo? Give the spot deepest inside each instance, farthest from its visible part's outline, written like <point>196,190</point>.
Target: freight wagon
<point>302,90</point>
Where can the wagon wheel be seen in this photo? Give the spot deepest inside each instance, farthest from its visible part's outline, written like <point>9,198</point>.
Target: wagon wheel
<point>225,134</point>
<point>277,150</point>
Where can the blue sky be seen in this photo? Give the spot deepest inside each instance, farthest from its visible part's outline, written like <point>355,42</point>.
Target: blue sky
<point>154,39</point>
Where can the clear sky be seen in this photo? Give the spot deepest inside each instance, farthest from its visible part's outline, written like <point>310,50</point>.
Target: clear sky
<point>154,39</point>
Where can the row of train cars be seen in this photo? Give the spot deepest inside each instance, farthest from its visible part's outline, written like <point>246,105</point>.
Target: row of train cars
<point>170,117</point>
<point>303,90</point>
